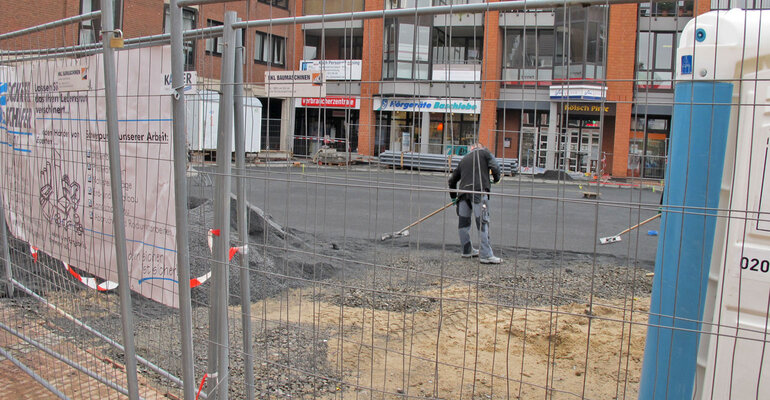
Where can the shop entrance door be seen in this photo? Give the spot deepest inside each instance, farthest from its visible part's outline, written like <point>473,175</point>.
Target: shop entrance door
<point>589,150</point>
<point>568,149</point>
<point>579,150</point>
<point>527,149</point>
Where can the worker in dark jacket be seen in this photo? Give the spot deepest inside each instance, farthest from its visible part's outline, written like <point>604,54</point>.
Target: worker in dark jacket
<point>473,176</point>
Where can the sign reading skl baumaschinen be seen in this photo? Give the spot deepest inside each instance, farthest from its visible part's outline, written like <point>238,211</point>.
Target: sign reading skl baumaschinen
<point>56,186</point>
<point>295,84</point>
<point>73,78</point>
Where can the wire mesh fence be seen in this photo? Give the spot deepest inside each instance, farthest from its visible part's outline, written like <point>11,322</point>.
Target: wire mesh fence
<point>200,209</point>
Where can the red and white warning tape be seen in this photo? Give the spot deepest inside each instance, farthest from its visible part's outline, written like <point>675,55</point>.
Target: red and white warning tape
<point>110,285</point>
<point>91,282</point>
<point>233,250</point>
<point>33,250</point>
<point>195,282</point>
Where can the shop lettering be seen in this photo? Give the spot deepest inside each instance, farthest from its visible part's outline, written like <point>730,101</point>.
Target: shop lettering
<point>585,108</point>
<point>407,105</point>
<point>340,102</point>
<point>292,77</point>
<point>454,106</point>
<point>428,105</point>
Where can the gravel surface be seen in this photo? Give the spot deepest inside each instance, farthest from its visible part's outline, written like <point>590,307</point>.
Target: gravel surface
<point>292,360</point>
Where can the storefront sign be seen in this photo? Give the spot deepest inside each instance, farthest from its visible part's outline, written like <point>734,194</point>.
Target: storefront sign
<point>336,70</point>
<point>295,84</point>
<point>460,106</point>
<point>578,92</point>
<point>329,102</point>
<point>589,108</point>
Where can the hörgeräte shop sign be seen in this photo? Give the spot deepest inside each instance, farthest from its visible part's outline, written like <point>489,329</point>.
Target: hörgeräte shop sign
<point>447,105</point>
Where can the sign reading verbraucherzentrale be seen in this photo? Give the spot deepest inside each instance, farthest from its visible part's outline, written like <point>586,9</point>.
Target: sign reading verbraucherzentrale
<point>56,179</point>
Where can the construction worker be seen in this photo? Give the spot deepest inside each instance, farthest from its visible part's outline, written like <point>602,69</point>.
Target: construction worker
<point>473,175</point>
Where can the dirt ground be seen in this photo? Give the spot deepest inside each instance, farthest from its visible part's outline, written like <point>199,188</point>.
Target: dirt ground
<point>464,349</point>
<point>390,320</point>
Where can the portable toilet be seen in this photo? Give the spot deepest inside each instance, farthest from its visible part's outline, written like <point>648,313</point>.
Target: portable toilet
<point>708,324</point>
<point>202,111</point>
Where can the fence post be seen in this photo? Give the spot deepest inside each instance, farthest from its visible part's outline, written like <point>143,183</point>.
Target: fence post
<point>218,317</point>
<point>180,202</point>
<point>243,230</point>
<point>116,185</point>
<point>6,252</point>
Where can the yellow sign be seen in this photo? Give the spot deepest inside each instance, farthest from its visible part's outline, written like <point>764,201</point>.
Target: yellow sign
<point>589,108</point>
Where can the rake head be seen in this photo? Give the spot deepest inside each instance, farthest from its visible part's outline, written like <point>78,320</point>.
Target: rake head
<point>609,239</point>
<point>395,235</point>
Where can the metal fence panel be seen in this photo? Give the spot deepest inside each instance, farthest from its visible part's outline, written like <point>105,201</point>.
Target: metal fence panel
<point>325,263</point>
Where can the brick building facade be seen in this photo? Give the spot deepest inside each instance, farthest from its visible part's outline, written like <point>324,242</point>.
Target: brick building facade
<point>544,86</point>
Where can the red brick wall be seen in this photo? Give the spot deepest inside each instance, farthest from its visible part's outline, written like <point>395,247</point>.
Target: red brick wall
<point>299,37</point>
<point>701,6</point>
<point>209,66</point>
<point>491,72</point>
<point>621,57</point>
<point>143,18</point>
<point>608,143</point>
<point>16,15</point>
<point>508,127</point>
<point>371,74</point>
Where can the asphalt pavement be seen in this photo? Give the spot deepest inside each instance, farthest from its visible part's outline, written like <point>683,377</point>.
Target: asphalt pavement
<point>368,202</point>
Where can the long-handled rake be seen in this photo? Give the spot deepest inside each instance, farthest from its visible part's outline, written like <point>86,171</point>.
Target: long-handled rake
<point>616,238</point>
<point>405,231</point>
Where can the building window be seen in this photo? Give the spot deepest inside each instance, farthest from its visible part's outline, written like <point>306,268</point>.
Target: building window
<point>189,22</point>
<point>312,46</point>
<point>392,4</point>
<point>528,54</point>
<point>743,4</point>
<point>214,45</point>
<point>351,47</point>
<point>318,7</point>
<point>90,31</point>
<point>406,49</point>
<point>656,124</point>
<point>647,145</point>
<point>456,50</point>
<point>682,8</point>
<point>581,37</point>
<point>276,3</point>
<point>655,59</point>
<point>269,49</point>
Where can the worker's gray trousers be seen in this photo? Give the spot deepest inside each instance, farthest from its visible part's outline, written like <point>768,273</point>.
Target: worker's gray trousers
<point>480,212</point>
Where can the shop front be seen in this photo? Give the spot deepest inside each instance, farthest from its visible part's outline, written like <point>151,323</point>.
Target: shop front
<point>583,135</point>
<point>330,121</point>
<point>579,139</point>
<point>425,125</point>
<point>647,146</point>
<point>574,144</point>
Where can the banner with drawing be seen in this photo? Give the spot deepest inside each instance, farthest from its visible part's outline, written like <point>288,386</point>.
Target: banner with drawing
<point>56,180</point>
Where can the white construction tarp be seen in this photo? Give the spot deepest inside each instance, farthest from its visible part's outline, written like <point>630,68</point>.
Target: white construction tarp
<point>56,180</point>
